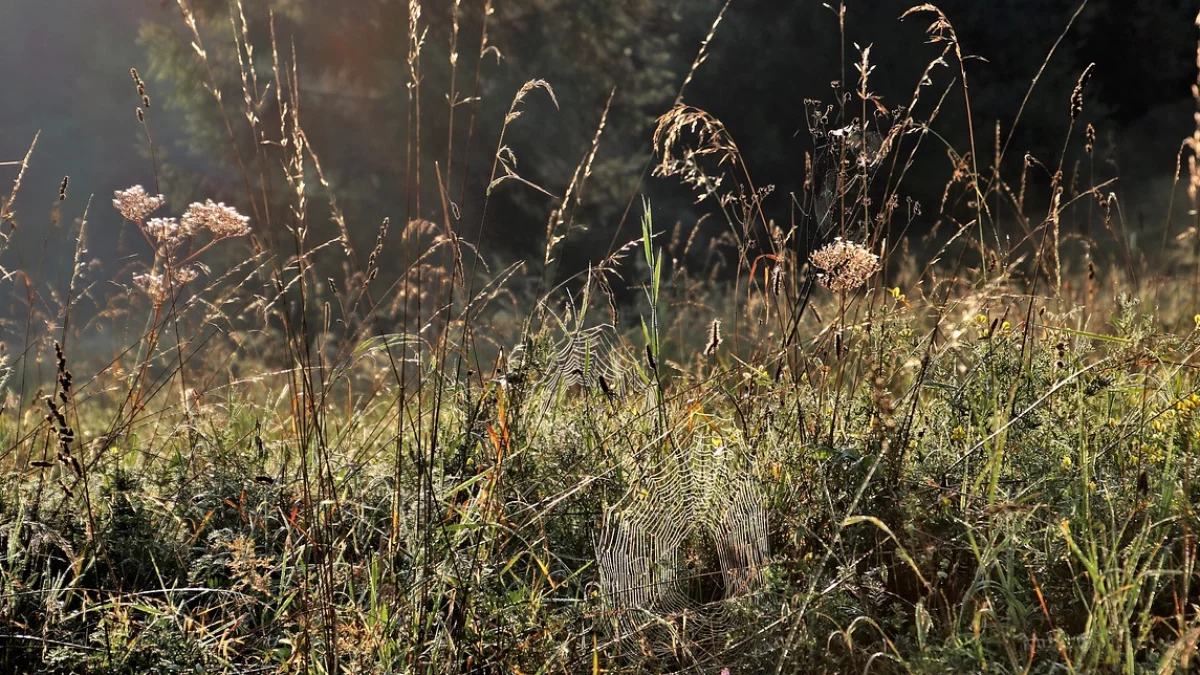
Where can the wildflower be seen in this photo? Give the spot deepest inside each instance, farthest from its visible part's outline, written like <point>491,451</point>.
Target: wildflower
<point>1150,453</point>
<point>135,203</point>
<point>1066,463</point>
<point>844,265</point>
<point>223,221</point>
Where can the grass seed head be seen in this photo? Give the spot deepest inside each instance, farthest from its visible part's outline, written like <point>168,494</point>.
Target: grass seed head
<point>714,338</point>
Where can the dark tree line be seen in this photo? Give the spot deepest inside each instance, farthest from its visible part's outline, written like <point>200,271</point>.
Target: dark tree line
<point>765,60</point>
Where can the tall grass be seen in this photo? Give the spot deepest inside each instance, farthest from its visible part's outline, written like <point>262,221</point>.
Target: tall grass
<point>824,444</point>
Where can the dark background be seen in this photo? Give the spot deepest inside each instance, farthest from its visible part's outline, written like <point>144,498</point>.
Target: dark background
<point>64,69</point>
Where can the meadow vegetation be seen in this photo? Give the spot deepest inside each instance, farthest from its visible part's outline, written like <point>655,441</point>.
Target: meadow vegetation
<point>817,443</point>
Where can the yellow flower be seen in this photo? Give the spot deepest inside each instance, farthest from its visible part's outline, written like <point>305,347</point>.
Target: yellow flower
<point>1066,463</point>
<point>1145,452</point>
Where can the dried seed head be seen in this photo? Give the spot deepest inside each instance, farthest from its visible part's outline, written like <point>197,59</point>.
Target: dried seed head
<point>844,265</point>
<point>223,221</point>
<point>373,260</point>
<point>141,92</point>
<point>1077,92</point>
<point>152,285</point>
<point>62,189</point>
<point>183,275</point>
<point>135,203</point>
<point>163,230</point>
<point>714,338</point>
<point>64,375</point>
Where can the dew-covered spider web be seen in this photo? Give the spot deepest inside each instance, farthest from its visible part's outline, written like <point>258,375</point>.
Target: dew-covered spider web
<point>683,552</point>
<point>586,357</point>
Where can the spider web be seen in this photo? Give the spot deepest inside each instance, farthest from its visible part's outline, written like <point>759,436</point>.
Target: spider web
<point>588,354</point>
<point>583,357</point>
<point>683,553</point>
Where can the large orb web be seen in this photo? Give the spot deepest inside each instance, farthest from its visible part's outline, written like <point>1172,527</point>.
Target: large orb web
<point>682,554</point>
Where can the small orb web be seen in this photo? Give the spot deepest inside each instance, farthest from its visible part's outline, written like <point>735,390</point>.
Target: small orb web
<point>582,357</point>
<point>683,552</point>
